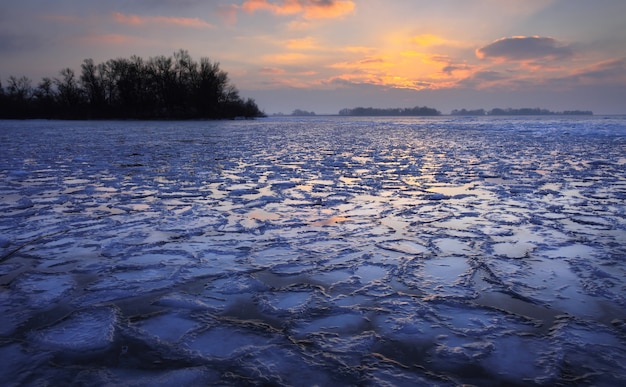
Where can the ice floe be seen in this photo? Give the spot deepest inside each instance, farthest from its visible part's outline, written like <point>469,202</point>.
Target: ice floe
<point>314,251</point>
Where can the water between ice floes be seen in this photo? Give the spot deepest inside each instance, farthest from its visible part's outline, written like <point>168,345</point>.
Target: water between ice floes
<point>318,251</point>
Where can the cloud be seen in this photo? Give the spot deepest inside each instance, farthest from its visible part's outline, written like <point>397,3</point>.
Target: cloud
<point>61,18</point>
<point>323,9</point>
<point>228,13</point>
<point>175,3</point>
<point>525,48</point>
<point>427,40</point>
<point>109,39</point>
<point>139,20</point>
<point>359,49</point>
<point>14,43</point>
<point>610,71</point>
<point>386,81</point>
<point>485,79</point>
<point>286,58</point>
<point>451,68</point>
<point>271,71</point>
<point>302,44</point>
<point>287,81</point>
<point>309,9</point>
<point>290,77</point>
<point>370,62</point>
<point>488,76</point>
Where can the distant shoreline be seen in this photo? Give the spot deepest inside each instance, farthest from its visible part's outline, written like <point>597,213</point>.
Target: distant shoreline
<point>425,111</point>
<point>449,115</point>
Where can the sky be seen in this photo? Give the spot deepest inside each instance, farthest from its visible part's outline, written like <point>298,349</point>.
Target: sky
<point>326,55</point>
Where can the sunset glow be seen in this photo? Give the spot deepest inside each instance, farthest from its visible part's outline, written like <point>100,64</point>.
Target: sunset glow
<point>284,52</point>
<point>313,192</point>
<point>308,9</point>
<point>138,20</point>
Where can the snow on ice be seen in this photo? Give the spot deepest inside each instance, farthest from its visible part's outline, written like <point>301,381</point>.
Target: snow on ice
<point>314,251</point>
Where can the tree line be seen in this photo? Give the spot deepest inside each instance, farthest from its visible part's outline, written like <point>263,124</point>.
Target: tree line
<point>300,112</point>
<point>415,111</point>
<point>517,112</point>
<point>174,87</point>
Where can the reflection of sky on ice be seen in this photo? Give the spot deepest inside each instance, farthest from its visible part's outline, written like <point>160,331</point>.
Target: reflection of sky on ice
<point>332,250</point>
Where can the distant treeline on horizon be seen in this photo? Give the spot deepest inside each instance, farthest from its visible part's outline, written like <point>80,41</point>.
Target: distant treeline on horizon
<point>517,112</point>
<point>426,111</point>
<point>416,111</point>
<point>174,87</point>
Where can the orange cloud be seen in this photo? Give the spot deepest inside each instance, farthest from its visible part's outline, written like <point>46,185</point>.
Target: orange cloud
<point>359,49</point>
<point>138,20</point>
<point>286,58</point>
<point>279,77</point>
<point>302,44</point>
<point>328,9</point>
<point>271,71</point>
<point>384,70</point>
<point>287,81</point>
<point>289,7</point>
<point>390,81</point>
<point>309,9</point>
<point>427,40</point>
<point>369,62</point>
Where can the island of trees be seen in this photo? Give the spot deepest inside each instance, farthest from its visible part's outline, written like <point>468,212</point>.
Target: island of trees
<point>426,111</point>
<point>416,111</point>
<point>300,112</point>
<point>174,87</point>
<point>517,112</point>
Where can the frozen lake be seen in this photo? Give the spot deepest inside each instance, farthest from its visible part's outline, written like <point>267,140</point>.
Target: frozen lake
<point>314,251</point>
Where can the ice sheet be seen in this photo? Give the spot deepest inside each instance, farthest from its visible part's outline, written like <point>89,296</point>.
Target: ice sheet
<point>380,251</point>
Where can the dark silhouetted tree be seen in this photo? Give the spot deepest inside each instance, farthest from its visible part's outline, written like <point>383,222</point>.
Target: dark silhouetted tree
<point>45,98</point>
<point>18,97</point>
<point>92,79</point>
<point>161,87</point>
<point>20,89</point>
<point>69,95</point>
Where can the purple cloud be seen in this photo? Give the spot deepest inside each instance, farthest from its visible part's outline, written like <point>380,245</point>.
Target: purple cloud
<point>13,42</point>
<point>521,48</point>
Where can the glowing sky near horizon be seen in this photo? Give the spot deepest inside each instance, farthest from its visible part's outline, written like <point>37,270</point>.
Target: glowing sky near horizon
<point>324,55</point>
